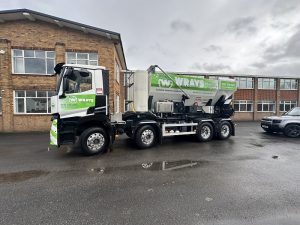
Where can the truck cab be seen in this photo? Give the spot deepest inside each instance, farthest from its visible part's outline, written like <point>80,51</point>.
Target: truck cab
<point>80,107</point>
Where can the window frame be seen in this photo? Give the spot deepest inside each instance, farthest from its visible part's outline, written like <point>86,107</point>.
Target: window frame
<point>88,58</point>
<point>287,102</point>
<point>243,102</point>
<point>23,57</point>
<point>268,103</point>
<point>117,103</point>
<point>238,79</point>
<point>263,80</point>
<point>1,106</point>
<point>48,100</point>
<point>117,72</point>
<point>284,81</point>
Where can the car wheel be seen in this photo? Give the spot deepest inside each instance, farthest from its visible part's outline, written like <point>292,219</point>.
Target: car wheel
<point>94,140</point>
<point>292,130</point>
<point>205,132</point>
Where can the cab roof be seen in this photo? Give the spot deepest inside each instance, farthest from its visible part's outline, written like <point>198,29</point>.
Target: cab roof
<point>89,67</point>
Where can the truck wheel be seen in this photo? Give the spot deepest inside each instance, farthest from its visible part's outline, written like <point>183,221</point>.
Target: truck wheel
<point>94,140</point>
<point>225,130</point>
<point>292,130</point>
<point>145,137</point>
<point>205,132</point>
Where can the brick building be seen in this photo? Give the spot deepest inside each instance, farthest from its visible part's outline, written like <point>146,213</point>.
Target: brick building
<point>258,96</point>
<point>31,43</point>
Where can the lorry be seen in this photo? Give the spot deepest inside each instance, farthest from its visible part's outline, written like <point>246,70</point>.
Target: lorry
<point>160,104</point>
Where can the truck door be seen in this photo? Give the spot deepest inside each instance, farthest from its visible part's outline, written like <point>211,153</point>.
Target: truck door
<point>77,94</point>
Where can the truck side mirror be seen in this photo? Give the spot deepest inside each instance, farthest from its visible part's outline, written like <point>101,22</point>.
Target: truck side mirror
<point>58,68</point>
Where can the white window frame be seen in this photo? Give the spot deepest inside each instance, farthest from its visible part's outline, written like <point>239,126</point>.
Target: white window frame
<point>117,103</point>
<point>25,106</point>
<point>117,71</point>
<point>23,57</point>
<point>1,105</point>
<point>88,57</point>
<point>266,80</point>
<point>286,81</point>
<point>287,102</point>
<point>266,103</point>
<point>243,102</point>
<point>248,80</point>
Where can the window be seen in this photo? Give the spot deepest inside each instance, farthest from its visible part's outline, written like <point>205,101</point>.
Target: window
<point>77,83</point>
<point>117,72</point>
<point>33,61</point>
<point>287,105</point>
<point>245,83</point>
<point>117,103</point>
<point>266,83</point>
<point>266,106</point>
<point>32,101</point>
<point>0,101</point>
<point>288,84</point>
<point>82,58</point>
<point>243,105</point>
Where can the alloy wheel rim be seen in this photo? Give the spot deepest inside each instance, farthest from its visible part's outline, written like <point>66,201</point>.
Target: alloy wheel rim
<point>147,137</point>
<point>205,132</point>
<point>225,130</point>
<point>294,131</point>
<point>95,141</point>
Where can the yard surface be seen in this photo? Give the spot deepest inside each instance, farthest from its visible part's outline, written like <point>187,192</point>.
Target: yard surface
<point>252,178</point>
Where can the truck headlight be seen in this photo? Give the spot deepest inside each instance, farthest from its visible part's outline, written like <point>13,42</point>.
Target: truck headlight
<point>277,121</point>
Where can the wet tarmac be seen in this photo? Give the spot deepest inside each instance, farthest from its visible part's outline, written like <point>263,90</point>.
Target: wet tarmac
<point>252,178</point>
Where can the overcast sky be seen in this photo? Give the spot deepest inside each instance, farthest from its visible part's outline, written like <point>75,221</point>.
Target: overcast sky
<point>222,36</point>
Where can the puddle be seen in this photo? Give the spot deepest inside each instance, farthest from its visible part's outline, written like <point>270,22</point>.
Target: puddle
<point>153,166</point>
<point>21,176</point>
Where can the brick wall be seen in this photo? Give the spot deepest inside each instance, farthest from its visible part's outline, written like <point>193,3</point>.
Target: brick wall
<point>289,95</point>
<point>266,95</point>
<point>243,116</point>
<point>244,94</point>
<point>24,34</point>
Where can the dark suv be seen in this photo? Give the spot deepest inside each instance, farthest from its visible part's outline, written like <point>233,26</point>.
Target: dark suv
<point>288,123</point>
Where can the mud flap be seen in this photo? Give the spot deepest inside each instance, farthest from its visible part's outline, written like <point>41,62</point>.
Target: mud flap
<point>54,134</point>
<point>112,137</point>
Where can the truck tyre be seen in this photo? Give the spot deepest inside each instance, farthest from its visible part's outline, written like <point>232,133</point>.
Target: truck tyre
<point>94,140</point>
<point>145,137</point>
<point>225,130</point>
<point>205,132</point>
<point>292,130</point>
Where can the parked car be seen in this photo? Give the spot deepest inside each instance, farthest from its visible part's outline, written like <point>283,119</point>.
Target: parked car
<point>288,123</point>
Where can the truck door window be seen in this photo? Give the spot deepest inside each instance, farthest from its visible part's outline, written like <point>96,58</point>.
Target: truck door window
<point>75,83</point>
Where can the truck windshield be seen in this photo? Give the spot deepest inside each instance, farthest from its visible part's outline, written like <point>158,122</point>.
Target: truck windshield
<point>293,112</point>
<point>78,81</point>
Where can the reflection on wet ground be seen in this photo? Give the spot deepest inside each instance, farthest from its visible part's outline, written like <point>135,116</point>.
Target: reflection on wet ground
<point>153,166</point>
<point>21,176</point>
<point>150,166</point>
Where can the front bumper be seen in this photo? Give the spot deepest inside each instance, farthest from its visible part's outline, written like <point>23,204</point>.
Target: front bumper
<point>270,126</point>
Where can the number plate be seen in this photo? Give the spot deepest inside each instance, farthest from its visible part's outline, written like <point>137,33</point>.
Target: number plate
<point>264,126</point>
